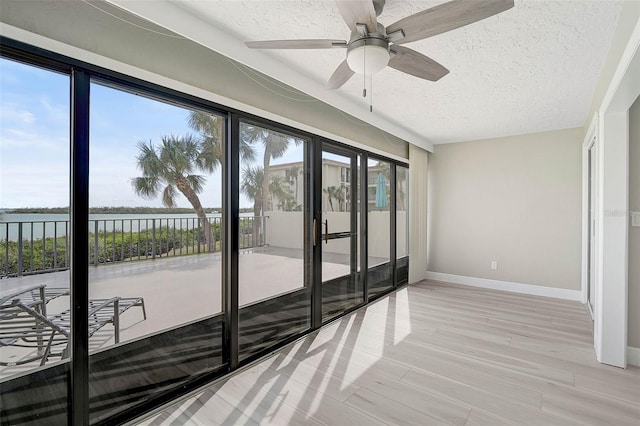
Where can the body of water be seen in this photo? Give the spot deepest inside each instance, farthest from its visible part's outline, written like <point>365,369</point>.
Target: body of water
<point>41,225</point>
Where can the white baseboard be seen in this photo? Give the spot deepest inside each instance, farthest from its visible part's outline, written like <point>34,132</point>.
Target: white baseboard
<point>633,356</point>
<point>558,293</point>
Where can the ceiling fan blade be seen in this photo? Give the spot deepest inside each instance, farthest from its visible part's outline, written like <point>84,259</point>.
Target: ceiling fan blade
<point>446,17</point>
<point>358,12</point>
<point>296,44</point>
<point>340,76</point>
<point>414,63</point>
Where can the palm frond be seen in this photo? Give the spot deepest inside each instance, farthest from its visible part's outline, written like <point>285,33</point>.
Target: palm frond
<point>209,155</point>
<point>205,124</point>
<point>251,184</point>
<point>247,152</point>
<point>169,196</point>
<point>196,182</point>
<point>146,186</point>
<point>148,161</point>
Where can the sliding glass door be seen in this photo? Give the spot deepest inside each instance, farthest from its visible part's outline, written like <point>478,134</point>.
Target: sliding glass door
<point>34,244</point>
<point>274,294</point>
<point>155,276</point>
<point>342,286</point>
<point>379,195</point>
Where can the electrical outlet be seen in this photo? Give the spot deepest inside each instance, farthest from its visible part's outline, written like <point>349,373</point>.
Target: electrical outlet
<point>494,264</point>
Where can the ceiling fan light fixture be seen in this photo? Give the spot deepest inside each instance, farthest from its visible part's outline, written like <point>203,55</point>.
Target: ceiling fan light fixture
<point>368,58</point>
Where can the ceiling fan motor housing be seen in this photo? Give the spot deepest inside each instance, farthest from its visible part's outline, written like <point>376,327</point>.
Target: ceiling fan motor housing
<point>368,53</point>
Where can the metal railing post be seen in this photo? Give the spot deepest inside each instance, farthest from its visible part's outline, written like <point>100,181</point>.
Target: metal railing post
<point>153,238</point>
<point>264,230</point>
<point>55,245</point>
<point>19,271</point>
<point>96,259</point>
<point>6,253</point>
<point>213,233</point>
<point>199,223</point>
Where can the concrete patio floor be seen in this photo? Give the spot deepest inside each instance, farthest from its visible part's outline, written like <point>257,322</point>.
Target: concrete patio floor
<point>175,290</point>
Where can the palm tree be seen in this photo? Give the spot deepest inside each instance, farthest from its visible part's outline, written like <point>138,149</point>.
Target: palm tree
<point>294,172</point>
<point>401,177</point>
<point>341,196</point>
<point>275,146</point>
<point>172,167</point>
<point>211,128</point>
<point>280,189</point>
<point>332,193</point>
<point>252,186</point>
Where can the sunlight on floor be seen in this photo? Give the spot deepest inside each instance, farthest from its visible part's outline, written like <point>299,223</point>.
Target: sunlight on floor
<point>403,316</point>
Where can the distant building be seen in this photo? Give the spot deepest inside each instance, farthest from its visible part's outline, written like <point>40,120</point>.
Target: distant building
<point>336,185</point>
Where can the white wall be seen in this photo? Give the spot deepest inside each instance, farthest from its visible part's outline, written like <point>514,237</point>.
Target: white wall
<point>634,232</point>
<point>285,229</point>
<point>418,213</point>
<point>515,200</point>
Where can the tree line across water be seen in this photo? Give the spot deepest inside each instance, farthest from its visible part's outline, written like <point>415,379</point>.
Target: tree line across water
<point>117,210</point>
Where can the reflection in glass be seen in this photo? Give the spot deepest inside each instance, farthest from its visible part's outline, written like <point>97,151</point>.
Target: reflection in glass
<point>402,224</point>
<point>341,284</point>
<point>155,247</point>
<point>275,303</point>
<point>379,277</point>
<point>34,244</point>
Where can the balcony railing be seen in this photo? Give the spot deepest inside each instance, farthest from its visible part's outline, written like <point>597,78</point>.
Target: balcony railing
<point>43,246</point>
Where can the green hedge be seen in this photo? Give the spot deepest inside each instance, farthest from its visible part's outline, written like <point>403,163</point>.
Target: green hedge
<point>51,254</point>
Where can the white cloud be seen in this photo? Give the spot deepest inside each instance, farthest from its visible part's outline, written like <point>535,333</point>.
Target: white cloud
<point>12,114</point>
<point>57,113</point>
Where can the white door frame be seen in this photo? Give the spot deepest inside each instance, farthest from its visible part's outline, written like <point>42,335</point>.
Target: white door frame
<point>590,143</point>
<point>612,224</point>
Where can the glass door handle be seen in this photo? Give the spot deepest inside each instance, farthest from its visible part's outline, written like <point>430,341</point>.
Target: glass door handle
<point>326,231</point>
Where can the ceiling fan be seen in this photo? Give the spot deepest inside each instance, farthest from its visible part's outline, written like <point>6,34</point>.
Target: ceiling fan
<point>372,47</point>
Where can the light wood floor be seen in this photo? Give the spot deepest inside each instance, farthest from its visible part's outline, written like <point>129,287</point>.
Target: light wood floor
<point>430,354</point>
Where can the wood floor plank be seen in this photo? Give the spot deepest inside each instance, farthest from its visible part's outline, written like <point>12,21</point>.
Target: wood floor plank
<point>480,418</point>
<point>314,403</point>
<point>432,353</point>
<point>348,374</point>
<point>588,407</point>
<point>480,378</point>
<point>206,408</point>
<point>357,358</point>
<point>427,403</point>
<point>510,410</point>
<point>314,378</point>
<point>498,356</point>
<point>260,405</point>
<point>626,388</point>
<point>390,412</point>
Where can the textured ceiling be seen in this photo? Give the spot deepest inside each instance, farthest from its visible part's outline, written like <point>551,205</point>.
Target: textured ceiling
<point>532,68</point>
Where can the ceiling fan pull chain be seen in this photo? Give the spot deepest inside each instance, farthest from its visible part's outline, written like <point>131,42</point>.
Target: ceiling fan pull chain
<point>371,93</point>
<point>364,73</point>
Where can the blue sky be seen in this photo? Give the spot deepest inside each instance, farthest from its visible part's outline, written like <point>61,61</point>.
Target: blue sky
<point>34,141</point>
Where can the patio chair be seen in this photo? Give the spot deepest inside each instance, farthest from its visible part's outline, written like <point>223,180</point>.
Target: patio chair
<point>103,312</point>
<point>36,296</point>
<point>23,325</point>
